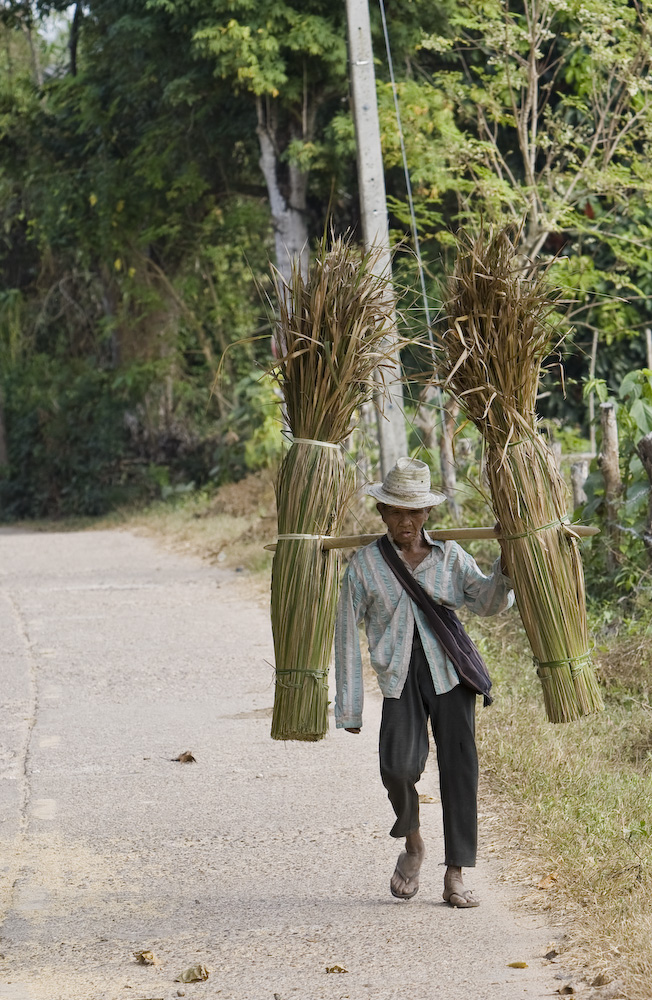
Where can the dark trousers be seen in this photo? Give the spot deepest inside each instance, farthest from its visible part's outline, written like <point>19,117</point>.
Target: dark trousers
<point>404,751</point>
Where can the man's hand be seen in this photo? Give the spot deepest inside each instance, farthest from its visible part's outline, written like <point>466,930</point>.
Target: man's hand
<point>352,730</point>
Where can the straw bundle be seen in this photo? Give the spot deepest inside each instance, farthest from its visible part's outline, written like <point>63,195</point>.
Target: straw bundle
<point>500,329</point>
<point>331,328</point>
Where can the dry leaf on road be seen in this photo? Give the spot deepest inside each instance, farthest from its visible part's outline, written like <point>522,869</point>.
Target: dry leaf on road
<point>335,968</point>
<point>517,965</point>
<point>144,957</point>
<point>548,881</point>
<point>195,974</point>
<point>185,758</point>
<point>426,798</point>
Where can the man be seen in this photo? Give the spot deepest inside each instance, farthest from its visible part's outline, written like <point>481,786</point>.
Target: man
<point>417,676</point>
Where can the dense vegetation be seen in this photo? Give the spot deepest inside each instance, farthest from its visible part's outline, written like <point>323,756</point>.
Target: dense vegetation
<point>150,155</point>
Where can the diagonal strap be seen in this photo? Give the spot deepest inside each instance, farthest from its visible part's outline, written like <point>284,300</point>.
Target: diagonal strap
<point>469,665</point>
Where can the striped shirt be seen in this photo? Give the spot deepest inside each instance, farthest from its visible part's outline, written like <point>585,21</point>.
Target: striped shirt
<point>372,593</point>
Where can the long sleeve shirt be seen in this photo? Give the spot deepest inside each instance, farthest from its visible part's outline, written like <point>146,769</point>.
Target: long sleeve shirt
<point>372,593</point>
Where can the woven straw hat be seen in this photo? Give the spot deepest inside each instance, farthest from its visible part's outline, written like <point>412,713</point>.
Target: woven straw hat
<point>406,485</point>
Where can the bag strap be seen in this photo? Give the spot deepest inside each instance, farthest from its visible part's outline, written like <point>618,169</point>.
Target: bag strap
<point>469,665</point>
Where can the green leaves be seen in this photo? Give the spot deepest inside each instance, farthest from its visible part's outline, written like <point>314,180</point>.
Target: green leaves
<point>636,395</point>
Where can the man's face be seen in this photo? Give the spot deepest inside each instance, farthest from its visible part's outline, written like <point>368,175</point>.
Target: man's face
<point>405,524</point>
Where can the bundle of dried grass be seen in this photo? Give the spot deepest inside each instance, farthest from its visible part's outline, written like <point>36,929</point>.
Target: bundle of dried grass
<point>331,327</point>
<point>500,329</point>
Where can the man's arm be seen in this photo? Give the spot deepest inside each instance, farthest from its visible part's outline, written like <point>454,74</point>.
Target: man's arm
<point>485,595</point>
<point>349,696</point>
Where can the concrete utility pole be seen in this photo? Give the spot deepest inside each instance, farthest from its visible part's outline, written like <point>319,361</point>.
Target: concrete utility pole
<point>392,436</point>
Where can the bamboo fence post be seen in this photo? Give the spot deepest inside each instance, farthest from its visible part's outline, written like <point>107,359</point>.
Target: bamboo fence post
<point>609,467</point>
<point>644,449</point>
<point>579,475</point>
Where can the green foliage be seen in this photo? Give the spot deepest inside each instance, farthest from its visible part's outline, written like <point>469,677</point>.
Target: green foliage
<point>69,447</point>
<point>130,237</point>
<point>542,117</point>
<point>633,407</point>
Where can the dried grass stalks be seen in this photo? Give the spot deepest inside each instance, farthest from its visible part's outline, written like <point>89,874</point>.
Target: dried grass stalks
<point>331,328</point>
<point>500,329</point>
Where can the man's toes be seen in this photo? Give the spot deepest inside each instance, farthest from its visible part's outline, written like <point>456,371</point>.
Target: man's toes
<point>460,897</point>
<point>404,883</point>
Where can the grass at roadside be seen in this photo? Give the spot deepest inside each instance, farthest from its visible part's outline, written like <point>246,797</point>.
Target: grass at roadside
<point>576,800</point>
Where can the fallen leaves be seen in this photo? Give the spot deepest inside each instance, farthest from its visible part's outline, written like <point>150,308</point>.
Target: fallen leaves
<point>426,798</point>
<point>335,968</point>
<point>144,958</point>
<point>195,974</point>
<point>517,965</point>
<point>547,881</point>
<point>185,758</point>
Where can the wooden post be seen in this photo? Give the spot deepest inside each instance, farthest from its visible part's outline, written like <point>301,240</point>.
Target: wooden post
<point>610,469</point>
<point>392,436</point>
<point>644,449</point>
<point>594,358</point>
<point>579,474</point>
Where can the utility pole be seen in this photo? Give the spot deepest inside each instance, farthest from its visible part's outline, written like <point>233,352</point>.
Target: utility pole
<point>392,436</point>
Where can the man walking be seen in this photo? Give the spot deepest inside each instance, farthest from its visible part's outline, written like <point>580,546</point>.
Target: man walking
<point>426,665</point>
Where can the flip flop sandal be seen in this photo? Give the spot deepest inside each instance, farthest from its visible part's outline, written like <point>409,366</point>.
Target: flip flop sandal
<point>414,879</point>
<point>460,900</point>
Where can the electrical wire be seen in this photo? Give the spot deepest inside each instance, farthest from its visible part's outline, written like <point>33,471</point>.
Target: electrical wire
<point>408,183</point>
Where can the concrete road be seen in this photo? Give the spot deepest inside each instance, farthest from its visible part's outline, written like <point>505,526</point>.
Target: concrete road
<point>266,862</point>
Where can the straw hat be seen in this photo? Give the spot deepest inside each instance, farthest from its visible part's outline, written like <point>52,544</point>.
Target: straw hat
<point>406,485</point>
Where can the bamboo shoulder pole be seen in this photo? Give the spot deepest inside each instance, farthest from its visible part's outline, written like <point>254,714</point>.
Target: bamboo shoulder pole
<point>448,535</point>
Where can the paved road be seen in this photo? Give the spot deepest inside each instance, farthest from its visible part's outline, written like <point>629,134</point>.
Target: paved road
<point>266,862</point>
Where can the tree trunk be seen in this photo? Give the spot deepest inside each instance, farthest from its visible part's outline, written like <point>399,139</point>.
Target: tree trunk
<point>4,453</point>
<point>426,417</point>
<point>110,306</point>
<point>579,474</point>
<point>447,456</point>
<point>644,449</point>
<point>288,207</point>
<point>73,39</point>
<point>610,469</point>
<point>36,65</point>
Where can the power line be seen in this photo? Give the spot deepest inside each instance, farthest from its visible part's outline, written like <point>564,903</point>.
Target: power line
<point>408,183</point>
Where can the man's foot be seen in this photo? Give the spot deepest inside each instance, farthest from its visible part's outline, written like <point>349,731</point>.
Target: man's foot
<point>454,891</point>
<point>404,883</point>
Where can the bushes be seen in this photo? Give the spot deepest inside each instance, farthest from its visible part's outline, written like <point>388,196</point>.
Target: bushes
<point>68,443</point>
<point>83,440</point>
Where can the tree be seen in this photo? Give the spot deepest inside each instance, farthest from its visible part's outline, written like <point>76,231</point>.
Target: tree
<point>541,114</point>
<point>289,60</point>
